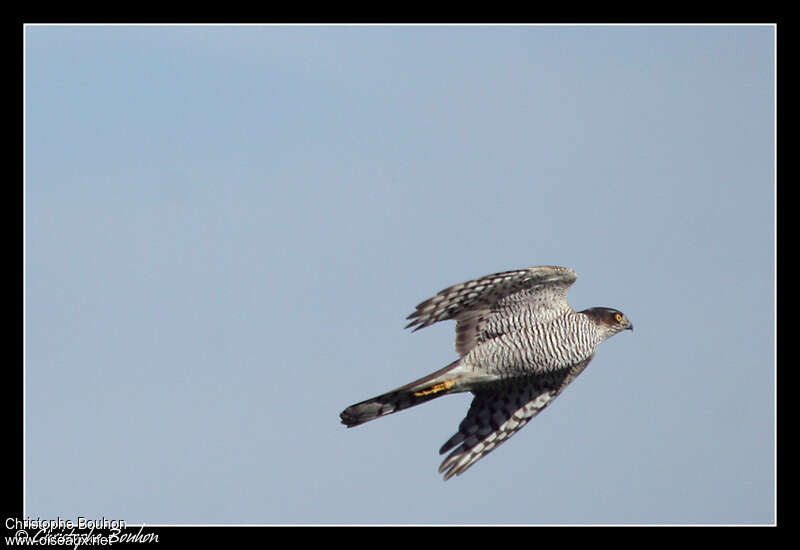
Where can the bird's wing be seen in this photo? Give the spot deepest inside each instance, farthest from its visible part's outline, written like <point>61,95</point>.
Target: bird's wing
<point>470,303</point>
<point>496,415</point>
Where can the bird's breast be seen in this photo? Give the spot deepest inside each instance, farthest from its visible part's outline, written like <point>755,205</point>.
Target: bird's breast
<point>523,343</point>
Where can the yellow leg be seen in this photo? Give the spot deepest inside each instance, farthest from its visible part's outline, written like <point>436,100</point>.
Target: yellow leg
<point>436,388</point>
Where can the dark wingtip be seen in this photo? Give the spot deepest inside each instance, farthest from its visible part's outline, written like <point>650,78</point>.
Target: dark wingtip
<point>457,438</point>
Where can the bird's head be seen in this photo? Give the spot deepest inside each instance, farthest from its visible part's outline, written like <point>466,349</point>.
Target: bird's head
<point>609,321</point>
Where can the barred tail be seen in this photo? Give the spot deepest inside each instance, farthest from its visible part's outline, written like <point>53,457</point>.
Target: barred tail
<point>417,392</point>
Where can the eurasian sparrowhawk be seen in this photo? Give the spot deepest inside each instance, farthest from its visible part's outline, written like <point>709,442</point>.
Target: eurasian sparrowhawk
<point>520,344</point>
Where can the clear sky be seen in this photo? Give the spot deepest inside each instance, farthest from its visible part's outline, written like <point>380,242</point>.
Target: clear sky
<point>226,227</point>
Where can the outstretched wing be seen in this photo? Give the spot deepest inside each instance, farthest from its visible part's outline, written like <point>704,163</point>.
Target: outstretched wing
<point>496,415</point>
<point>470,303</point>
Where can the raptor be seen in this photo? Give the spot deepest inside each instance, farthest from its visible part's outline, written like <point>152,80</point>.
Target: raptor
<point>519,344</point>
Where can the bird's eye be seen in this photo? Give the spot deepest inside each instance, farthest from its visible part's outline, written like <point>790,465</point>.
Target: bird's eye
<point>618,317</point>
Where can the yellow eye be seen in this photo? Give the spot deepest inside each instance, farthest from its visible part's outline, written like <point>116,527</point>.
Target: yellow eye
<point>618,317</point>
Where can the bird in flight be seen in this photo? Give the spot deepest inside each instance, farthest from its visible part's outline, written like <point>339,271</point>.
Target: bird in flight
<point>519,344</point>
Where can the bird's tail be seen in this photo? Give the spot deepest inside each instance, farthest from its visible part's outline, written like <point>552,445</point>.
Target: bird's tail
<point>415,393</point>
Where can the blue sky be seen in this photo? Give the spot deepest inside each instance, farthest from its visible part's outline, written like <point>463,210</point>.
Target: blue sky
<point>226,227</point>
